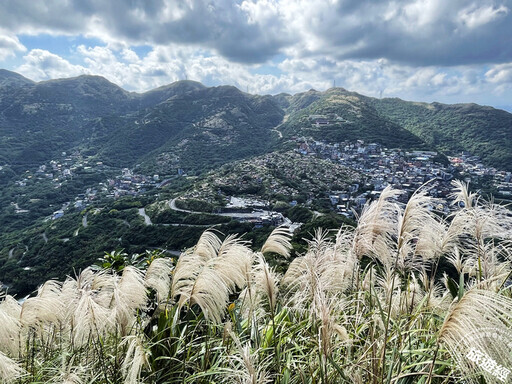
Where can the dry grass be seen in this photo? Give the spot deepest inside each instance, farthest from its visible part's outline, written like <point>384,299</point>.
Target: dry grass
<point>364,305</point>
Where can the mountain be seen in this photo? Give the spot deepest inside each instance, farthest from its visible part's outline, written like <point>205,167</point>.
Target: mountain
<point>38,121</point>
<point>337,115</point>
<point>480,130</point>
<point>190,126</point>
<point>13,79</point>
<point>196,129</point>
<point>62,142</point>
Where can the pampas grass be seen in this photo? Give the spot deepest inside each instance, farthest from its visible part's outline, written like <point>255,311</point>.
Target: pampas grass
<point>10,327</point>
<point>10,370</point>
<point>135,360</point>
<point>481,320</point>
<point>207,278</point>
<point>158,277</point>
<point>278,242</point>
<point>364,305</point>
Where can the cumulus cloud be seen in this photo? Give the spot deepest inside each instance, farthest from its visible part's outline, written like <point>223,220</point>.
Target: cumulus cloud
<point>419,32</point>
<point>221,25</point>
<point>477,16</point>
<point>421,49</point>
<point>40,64</point>
<point>500,74</point>
<point>9,45</point>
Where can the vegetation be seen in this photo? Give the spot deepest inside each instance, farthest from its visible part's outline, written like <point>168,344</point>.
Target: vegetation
<point>351,118</point>
<point>369,305</point>
<point>481,131</point>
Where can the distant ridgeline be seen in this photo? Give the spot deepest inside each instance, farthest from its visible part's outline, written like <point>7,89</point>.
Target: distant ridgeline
<point>80,157</point>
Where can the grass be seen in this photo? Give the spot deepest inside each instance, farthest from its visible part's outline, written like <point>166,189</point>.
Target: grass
<point>368,305</point>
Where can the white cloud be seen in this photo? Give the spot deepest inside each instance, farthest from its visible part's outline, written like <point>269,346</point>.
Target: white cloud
<point>500,74</point>
<point>421,49</point>
<point>477,16</point>
<point>40,64</point>
<point>9,45</point>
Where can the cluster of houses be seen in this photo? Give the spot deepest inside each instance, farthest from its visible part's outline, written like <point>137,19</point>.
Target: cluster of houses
<point>471,167</point>
<point>130,184</point>
<point>403,170</point>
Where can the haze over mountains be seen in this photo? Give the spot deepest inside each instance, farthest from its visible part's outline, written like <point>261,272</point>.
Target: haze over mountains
<point>183,127</point>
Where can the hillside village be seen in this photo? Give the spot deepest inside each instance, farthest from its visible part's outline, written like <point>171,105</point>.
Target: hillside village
<point>347,173</point>
<point>404,170</point>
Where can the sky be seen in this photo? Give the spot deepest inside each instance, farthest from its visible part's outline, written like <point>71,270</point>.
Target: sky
<point>448,51</point>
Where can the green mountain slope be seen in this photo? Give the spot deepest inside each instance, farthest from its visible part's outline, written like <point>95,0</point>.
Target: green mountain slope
<point>187,126</point>
<point>193,130</point>
<point>337,115</point>
<point>479,130</point>
<point>186,121</point>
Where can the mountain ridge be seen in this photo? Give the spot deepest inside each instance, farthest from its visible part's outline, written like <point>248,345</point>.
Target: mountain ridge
<point>60,140</point>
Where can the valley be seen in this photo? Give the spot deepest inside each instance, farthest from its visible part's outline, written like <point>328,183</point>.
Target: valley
<point>88,168</point>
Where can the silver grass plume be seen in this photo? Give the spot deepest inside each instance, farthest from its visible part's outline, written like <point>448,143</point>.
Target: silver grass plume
<point>480,326</point>
<point>207,279</point>
<point>196,282</point>
<point>376,225</point>
<point>461,194</point>
<point>90,319</point>
<point>129,295</point>
<point>208,245</point>
<point>136,358</point>
<point>69,295</point>
<point>278,242</point>
<point>327,264</point>
<point>10,370</point>
<point>72,378</point>
<point>233,260</point>
<point>246,367</point>
<point>103,284</point>
<point>211,294</point>
<point>261,287</point>
<point>44,309</point>
<point>481,220</point>
<point>412,295</point>
<point>331,334</point>
<point>418,231</point>
<point>158,277</point>
<point>10,328</point>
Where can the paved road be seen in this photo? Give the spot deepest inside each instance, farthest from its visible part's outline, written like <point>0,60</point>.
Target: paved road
<point>147,219</point>
<point>172,205</point>
<point>84,221</point>
<point>278,132</point>
<point>251,215</point>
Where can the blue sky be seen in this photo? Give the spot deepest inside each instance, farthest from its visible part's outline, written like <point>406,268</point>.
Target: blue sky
<point>424,50</point>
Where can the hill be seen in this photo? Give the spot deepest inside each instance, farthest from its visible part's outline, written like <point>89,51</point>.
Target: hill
<point>66,144</point>
<point>479,130</point>
<point>337,115</point>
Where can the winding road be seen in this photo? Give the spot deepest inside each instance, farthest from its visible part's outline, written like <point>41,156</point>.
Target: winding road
<point>172,205</point>
<point>147,219</point>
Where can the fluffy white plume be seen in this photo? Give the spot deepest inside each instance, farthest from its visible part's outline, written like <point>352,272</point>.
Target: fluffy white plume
<point>135,359</point>
<point>10,326</point>
<point>479,324</point>
<point>158,277</point>
<point>278,242</point>
<point>10,370</point>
